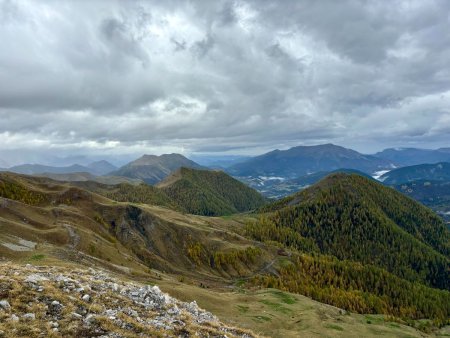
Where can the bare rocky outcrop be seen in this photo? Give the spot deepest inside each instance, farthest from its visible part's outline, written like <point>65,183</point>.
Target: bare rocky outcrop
<point>62,302</point>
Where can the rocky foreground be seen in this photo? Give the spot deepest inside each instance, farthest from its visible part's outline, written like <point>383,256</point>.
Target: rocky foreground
<point>38,301</point>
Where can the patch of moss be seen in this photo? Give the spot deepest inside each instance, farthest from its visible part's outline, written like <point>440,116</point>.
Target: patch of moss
<point>276,307</point>
<point>334,327</point>
<point>284,297</point>
<point>37,257</point>
<point>242,308</point>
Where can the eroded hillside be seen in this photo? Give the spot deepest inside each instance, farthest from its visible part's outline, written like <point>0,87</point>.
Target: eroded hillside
<point>219,262</point>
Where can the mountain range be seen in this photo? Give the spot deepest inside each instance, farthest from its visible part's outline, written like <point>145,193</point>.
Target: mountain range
<point>303,160</point>
<point>413,156</point>
<point>94,168</point>
<point>218,162</point>
<point>278,173</point>
<point>292,163</point>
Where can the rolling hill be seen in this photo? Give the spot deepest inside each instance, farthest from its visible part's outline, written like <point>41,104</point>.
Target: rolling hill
<point>152,169</point>
<point>435,172</point>
<point>303,160</point>
<point>354,218</point>
<point>141,193</point>
<point>414,156</point>
<point>35,210</point>
<point>83,177</point>
<point>50,223</point>
<point>210,193</point>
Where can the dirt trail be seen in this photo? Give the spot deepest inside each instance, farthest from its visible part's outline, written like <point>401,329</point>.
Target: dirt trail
<point>74,237</point>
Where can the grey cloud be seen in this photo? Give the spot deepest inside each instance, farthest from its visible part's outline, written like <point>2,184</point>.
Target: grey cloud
<point>179,45</point>
<point>122,43</point>
<point>8,11</point>
<point>202,47</point>
<point>227,14</point>
<point>126,77</point>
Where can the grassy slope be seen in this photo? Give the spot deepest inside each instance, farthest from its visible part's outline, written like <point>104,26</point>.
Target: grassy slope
<point>125,192</point>
<point>91,243</point>
<point>281,314</point>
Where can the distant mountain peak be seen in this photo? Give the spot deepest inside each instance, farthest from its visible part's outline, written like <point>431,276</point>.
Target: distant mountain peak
<point>100,162</point>
<point>102,167</point>
<point>148,159</point>
<point>301,160</point>
<point>152,168</point>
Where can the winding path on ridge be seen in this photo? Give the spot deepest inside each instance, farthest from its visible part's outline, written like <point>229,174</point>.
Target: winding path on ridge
<point>74,237</point>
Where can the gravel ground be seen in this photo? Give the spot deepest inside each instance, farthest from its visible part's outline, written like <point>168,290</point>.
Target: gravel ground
<point>39,301</point>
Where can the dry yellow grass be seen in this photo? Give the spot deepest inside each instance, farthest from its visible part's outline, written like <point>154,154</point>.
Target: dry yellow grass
<point>73,302</point>
<point>151,248</point>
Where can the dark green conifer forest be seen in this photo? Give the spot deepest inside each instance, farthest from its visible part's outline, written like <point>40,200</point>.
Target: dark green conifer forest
<point>360,246</point>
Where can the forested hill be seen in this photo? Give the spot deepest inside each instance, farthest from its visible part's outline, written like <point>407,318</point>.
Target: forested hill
<point>210,193</point>
<point>435,172</point>
<point>354,218</point>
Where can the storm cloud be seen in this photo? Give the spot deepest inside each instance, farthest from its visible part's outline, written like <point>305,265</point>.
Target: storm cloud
<point>121,77</point>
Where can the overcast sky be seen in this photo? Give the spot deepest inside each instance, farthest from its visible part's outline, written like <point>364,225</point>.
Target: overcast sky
<point>241,77</point>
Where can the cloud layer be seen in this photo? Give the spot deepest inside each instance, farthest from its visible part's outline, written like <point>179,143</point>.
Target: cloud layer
<point>114,77</point>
